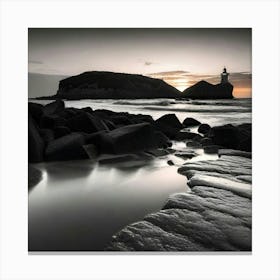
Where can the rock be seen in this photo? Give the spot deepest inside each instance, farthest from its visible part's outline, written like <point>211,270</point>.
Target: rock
<point>47,135</point>
<point>205,90</point>
<point>229,152</point>
<point>117,159</point>
<point>204,128</point>
<point>215,216</point>
<point>211,149</point>
<point>193,144</point>
<point>183,135</point>
<point>169,125</point>
<point>126,161</point>
<point>69,147</point>
<point>50,121</point>
<point>34,176</point>
<point>207,220</point>
<point>190,122</point>
<point>186,154</point>
<point>87,109</point>
<point>91,151</point>
<point>35,142</point>
<point>120,120</point>
<point>240,188</point>
<point>142,118</point>
<point>229,166</point>
<point>85,122</point>
<point>109,85</point>
<point>197,138</point>
<point>53,107</point>
<point>232,137</point>
<point>170,162</point>
<point>127,139</point>
<point>206,141</point>
<point>60,131</point>
<point>36,111</point>
<point>158,152</point>
<point>109,124</point>
<point>162,140</point>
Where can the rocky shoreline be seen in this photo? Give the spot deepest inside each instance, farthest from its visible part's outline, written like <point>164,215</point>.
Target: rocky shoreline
<point>215,215</point>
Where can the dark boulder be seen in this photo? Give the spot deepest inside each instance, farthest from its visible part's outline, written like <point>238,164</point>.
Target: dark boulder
<point>54,107</point>
<point>34,176</point>
<point>47,135</point>
<point>88,110</point>
<point>169,125</point>
<point>50,121</point>
<point>60,131</point>
<point>226,136</point>
<point>183,135</point>
<point>188,122</point>
<point>204,128</point>
<point>186,154</point>
<point>85,122</point>
<point>69,147</point>
<point>206,141</point>
<point>110,124</point>
<point>35,142</point>
<point>121,120</point>
<point>233,137</point>
<point>126,139</point>
<point>205,90</point>
<point>170,162</point>
<point>211,149</point>
<point>162,140</point>
<point>141,118</point>
<point>193,144</point>
<point>36,111</point>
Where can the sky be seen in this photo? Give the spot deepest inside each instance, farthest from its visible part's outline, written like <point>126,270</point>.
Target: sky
<point>180,56</point>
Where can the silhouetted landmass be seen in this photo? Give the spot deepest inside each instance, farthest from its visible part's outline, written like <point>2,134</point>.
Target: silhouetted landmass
<point>205,90</point>
<point>109,85</point>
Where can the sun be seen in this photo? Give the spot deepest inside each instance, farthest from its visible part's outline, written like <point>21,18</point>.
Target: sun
<point>181,83</point>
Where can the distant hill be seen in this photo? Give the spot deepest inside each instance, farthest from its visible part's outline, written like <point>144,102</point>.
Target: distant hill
<point>205,90</point>
<point>42,84</point>
<point>110,85</point>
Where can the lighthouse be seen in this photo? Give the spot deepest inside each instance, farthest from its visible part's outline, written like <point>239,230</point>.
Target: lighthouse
<point>224,76</point>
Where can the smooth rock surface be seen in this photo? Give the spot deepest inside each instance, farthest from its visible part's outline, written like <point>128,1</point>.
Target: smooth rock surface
<point>216,215</point>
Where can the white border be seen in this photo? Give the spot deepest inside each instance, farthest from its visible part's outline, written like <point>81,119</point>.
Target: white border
<point>262,16</point>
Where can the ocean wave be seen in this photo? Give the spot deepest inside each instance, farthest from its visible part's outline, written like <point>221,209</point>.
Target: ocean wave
<point>158,103</point>
<point>203,110</point>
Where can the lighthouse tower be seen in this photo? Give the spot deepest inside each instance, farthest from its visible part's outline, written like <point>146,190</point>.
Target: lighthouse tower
<point>224,76</point>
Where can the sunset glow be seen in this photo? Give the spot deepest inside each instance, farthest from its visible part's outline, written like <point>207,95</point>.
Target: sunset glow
<point>181,57</point>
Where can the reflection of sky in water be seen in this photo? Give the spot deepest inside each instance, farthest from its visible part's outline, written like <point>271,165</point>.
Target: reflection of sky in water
<point>79,205</point>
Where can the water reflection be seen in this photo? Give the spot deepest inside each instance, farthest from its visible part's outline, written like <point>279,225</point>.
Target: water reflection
<point>78,205</point>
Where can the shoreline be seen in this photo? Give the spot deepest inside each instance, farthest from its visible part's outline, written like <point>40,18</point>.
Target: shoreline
<point>193,141</point>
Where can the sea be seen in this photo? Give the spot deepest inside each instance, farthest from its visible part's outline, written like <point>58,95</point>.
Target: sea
<point>79,205</point>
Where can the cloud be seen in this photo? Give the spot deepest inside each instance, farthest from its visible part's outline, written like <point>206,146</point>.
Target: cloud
<point>165,74</point>
<point>35,62</point>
